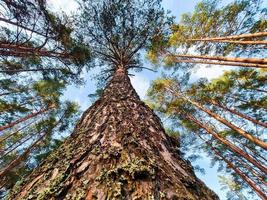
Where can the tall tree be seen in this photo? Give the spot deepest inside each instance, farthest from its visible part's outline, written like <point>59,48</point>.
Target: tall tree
<point>119,149</point>
<point>33,39</point>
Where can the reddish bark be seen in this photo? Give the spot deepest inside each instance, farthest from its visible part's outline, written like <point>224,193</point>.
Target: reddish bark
<point>118,150</point>
<point>236,112</point>
<point>252,42</point>
<point>221,63</point>
<point>239,172</point>
<point>249,35</point>
<point>31,115</point>
<point>245,134</point>
<point>231,146</point>
<point>221,58</point>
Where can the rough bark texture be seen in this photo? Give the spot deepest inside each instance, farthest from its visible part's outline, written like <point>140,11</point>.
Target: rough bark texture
<point>250,35</point>
<point>118,150</point>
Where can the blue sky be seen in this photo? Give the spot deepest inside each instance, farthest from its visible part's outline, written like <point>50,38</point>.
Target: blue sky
<point>141,81</point>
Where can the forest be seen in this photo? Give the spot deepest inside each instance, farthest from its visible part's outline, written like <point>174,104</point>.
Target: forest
<point>119,141</point>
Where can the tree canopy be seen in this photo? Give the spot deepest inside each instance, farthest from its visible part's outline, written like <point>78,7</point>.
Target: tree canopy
<point>117,30</point>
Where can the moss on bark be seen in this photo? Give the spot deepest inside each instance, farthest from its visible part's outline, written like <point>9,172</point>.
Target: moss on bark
<point>118,150</point>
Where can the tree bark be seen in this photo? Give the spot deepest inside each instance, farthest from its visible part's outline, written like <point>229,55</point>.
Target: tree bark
<point>238,171</point>
<point>251,35</point>
<point>231,146</point>
<point>259,42</point>
<point>221,58</point>
<point>240,131</point>
<point>221,63</point>
<point>236,112</point>
<point>118,150</point>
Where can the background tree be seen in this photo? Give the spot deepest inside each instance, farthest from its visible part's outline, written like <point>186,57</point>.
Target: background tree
<point>32,120</point>
<point>33,39</point>
<point>230,35</point>
<point>40,54</point>
<point>215,31</point>
<point>199,106</point>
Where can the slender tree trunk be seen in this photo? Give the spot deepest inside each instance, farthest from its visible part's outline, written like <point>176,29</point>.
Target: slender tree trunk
<point>221,63</point>
<point>23,27</point>
<point>252,35</point>
<point>11,134</point>
<point>251,88</point>
<point>24,155</point>
<point>256,89</point>
<point>41,53</point>
<point>14,146</point>
<point>250,182</point>
<point>221,58</point>
<point>20,158</point>
<point>8,93</point>
<point>253,151</point>
<point>231,146</point>
<point>18,49</point>
<point>12,107</point>
<point>255,105</point>
<point>118,150</point>
<point>253,172</point>
<point>229,124</point>
<point>236,112</point>
<point>31,70</point>
<point>10,125</point>
<point>259,42</point>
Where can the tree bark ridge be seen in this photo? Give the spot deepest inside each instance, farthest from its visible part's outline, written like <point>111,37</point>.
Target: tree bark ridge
<point>118,150</point>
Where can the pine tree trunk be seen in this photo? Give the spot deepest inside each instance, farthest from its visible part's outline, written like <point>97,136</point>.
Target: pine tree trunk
<point>23,27</point>
<point>118,150</point>
<point>231,165</point>
<point>23,119</point>
<point>42,53</point>
<point>240,131</point>
<point>20,158</point>
<point>230,145</point>
<point>251,42</point>
<point>236,112</point>
<point>249,35</point>
<point>222,58</point>
<point>220,63</point>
